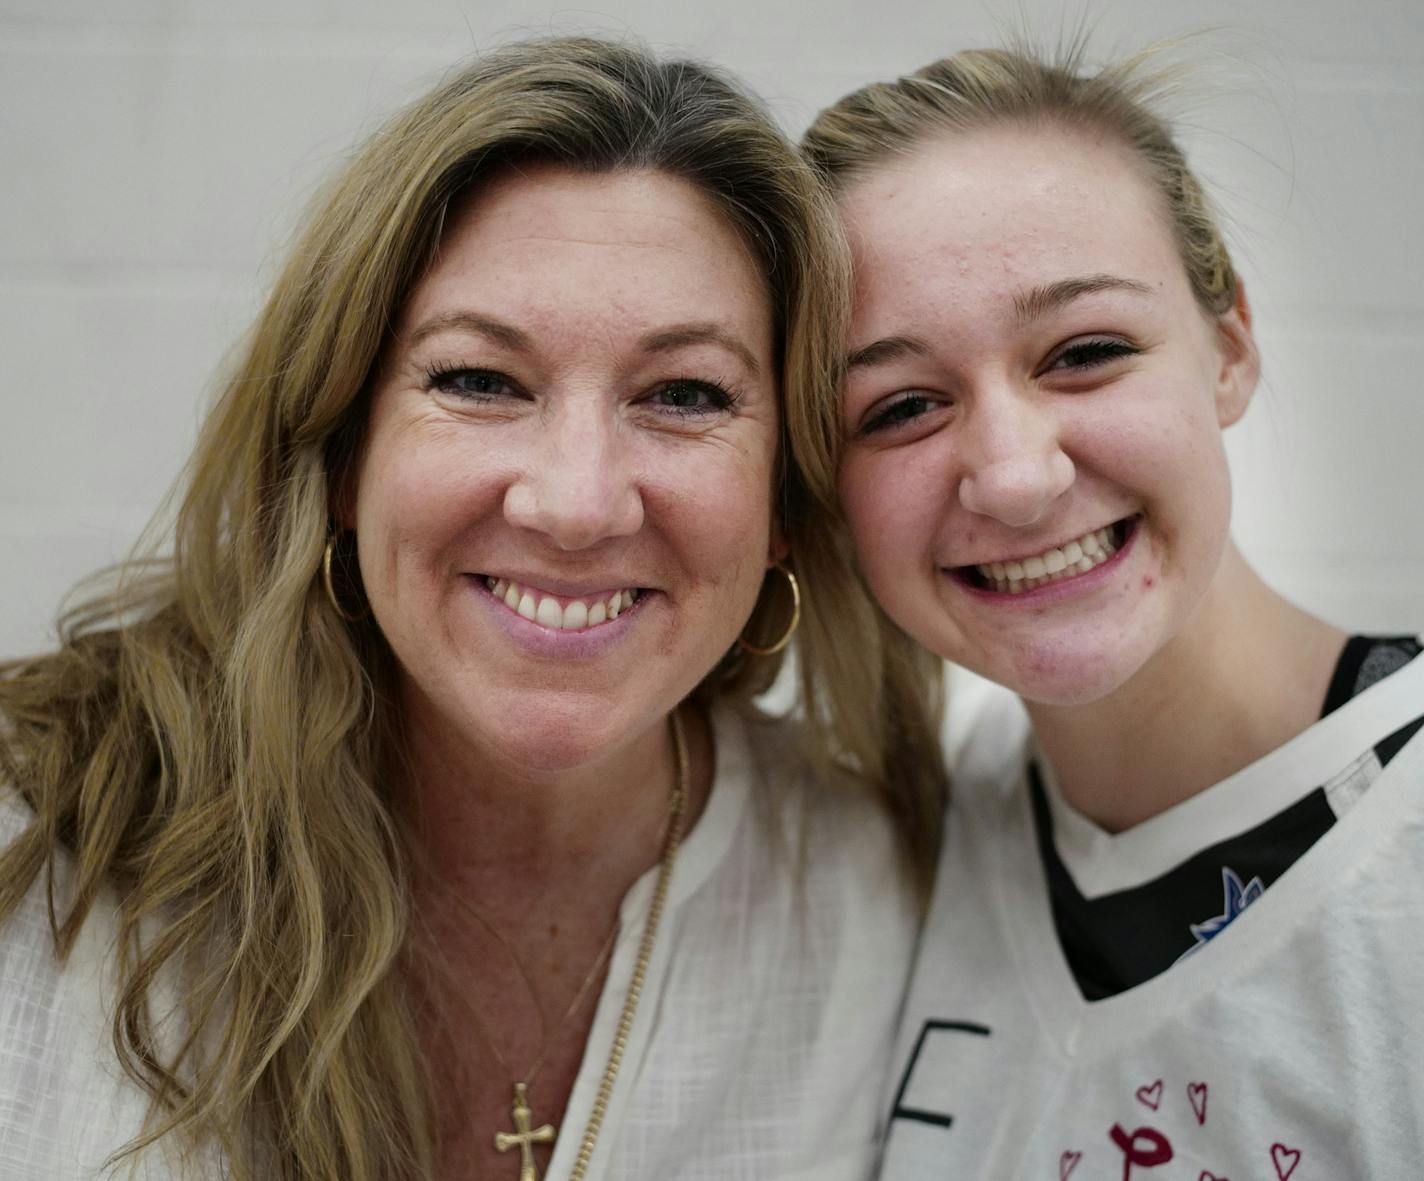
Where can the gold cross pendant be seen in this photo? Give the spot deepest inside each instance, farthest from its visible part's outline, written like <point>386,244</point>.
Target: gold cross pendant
<point>522,1137</point>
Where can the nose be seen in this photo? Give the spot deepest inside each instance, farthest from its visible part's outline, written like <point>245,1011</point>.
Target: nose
<point>1014,464</point>
<point>578,485</point>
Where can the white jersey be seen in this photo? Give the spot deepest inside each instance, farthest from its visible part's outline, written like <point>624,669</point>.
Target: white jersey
<point>761,1045</point>
<point>1289,1048</point>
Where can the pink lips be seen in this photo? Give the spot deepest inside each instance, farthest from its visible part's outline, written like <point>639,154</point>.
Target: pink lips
<point>540,641</point>
<point>1063,588</point>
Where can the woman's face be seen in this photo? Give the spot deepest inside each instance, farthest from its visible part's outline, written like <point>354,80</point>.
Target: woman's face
<point>1034,471</point>
<point>563,503</point>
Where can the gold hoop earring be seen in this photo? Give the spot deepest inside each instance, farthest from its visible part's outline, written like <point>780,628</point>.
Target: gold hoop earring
<point>791,627</point>
<point>331,585</point>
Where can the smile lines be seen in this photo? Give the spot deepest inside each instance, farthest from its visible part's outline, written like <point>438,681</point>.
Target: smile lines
<point>1054,565</point>
<point>576,615</point>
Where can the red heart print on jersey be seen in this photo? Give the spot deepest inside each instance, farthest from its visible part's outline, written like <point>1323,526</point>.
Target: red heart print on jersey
<point>1150,1096</point>
<point>1285,1159</point>
<point>1196,1092</point>
<point>1067,1163</point>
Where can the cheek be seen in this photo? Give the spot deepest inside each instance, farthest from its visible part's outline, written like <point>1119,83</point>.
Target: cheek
<point>739,517</point>
<point>891,513</point>
<point>713,503</point>
<point>414,502</point>
<point>1167,456</point>
<point>1162,443</point>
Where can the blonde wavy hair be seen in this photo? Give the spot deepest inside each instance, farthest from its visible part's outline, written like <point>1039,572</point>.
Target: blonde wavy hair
<point>885,696</point>
<point>210,736</point>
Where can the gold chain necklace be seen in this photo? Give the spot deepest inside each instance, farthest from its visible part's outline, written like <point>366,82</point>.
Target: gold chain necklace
<point>525,1136</point>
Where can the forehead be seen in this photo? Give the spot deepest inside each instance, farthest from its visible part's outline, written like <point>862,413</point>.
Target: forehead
<point>1008,205</point>
<point>546,238</point>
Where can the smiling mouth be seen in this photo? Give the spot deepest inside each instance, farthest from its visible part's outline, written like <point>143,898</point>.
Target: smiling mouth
<point>1059,564</point>
<point>570,615</point>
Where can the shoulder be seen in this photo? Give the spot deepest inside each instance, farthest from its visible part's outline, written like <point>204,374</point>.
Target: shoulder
<point>50,1024</point>
<point>790,888</point>
<point>66,1104</point>
<point>15,815</point>
<point>785,788</point>
<point>986,737</point>
<point>829,840</point>
<point>27,956</point>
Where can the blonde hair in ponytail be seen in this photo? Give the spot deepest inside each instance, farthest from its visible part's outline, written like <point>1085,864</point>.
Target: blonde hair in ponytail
<point>881,700</point>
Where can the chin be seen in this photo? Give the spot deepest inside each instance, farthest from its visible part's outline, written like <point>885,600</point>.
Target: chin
<point>555,735</point>
<point>1064,675</point>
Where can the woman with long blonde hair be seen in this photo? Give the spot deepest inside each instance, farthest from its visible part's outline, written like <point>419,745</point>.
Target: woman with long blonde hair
<point>409,818</point>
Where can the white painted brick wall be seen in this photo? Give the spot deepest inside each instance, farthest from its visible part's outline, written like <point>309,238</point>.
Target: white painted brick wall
<point>154,152</point>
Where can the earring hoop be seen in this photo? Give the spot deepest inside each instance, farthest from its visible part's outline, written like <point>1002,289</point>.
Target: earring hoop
<point>791,627</point>
<point>330,584</point>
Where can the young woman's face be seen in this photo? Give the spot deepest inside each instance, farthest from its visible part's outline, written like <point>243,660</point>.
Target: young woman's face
<point>563,505</point>
<point>1034,472</point>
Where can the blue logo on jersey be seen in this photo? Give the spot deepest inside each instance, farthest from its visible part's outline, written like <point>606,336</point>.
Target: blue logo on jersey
<point>1235,899</point>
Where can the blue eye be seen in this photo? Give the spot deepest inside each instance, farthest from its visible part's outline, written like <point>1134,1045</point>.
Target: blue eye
<point>693,397</point>
<point>903,409</point>
<point>1085,354</point>
<point>479,385</point>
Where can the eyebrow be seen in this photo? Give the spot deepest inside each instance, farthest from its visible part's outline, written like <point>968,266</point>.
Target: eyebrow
<point>675,337</point>
<point>497,330</point>
<point>681,335</point>
<point>891,348</point>
<point>1040,301</point>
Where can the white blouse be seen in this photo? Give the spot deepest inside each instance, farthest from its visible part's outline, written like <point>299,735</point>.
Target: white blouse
<point>761,1043</point>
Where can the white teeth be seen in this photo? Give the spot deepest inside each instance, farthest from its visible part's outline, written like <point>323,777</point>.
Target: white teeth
<point>1076,557</point>
<point>548,612</point>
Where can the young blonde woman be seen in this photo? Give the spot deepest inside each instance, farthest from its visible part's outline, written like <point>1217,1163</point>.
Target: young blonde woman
<point>1176,929</point>
<point>409,819</point>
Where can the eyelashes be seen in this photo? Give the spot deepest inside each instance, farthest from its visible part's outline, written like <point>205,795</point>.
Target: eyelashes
<point>695,397</point>
<point>902,410</point>
<point>1079,357</point>
<point>463,382</point>
<point>1086,354</point>
<point>686,397</point>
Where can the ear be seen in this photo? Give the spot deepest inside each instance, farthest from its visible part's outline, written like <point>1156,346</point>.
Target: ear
<point>341,489</point>
<point>1240,360</point>
<point>346,455</point>
<point>779,546</point>
<point>341,496</point>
